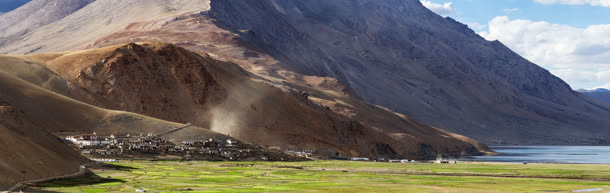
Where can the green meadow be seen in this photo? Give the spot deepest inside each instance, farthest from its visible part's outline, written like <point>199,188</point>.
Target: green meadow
<point>335,176</point>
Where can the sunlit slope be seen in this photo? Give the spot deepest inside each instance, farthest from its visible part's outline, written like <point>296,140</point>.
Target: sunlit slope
<point>73,26</point>
<point>32,115</point>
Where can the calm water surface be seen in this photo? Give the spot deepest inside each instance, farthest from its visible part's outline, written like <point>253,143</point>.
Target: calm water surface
<point>548,154</point>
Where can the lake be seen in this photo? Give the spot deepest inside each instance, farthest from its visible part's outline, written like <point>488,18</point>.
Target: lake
<point>548,154</point>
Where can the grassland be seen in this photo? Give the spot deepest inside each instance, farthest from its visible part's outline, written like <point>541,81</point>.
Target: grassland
<point>336,176</point>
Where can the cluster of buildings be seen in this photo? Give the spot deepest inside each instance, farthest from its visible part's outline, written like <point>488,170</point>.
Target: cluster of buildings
<point>300,153</point>
<point>127,145</point>
<point>88,140</point>
<point>117,144</point>
<point>215,148</point>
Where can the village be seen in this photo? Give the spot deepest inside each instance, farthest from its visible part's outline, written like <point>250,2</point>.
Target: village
<point>150,146</point>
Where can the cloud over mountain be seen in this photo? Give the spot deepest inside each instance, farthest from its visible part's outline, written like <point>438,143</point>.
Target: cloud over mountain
<point>441,9</point>
<point>580,56</point>
<point>604,3</point>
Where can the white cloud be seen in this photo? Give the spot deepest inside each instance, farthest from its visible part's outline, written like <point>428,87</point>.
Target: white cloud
<point>510,10</point>
<point>606,86</point>
<point>604,3</point>
<point>580,56</point>
<point>441,9</point>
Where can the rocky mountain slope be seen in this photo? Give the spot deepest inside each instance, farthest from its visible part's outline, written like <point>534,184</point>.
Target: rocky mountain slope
<point>44,95</point>
<point>398,54</point>
<point>172,83</point>
<point>393,53</point>
<point>602,95</point>
<point>115,89</point>
<point>31,116</point>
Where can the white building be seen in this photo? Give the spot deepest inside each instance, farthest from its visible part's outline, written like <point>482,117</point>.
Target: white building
<point>89,140</point>
<point>360,159</point>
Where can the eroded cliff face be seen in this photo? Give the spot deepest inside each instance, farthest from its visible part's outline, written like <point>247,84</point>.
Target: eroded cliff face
<point>163,82</point>
<point>435,70</point>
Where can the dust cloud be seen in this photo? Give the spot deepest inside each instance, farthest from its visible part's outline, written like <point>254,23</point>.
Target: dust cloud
<point>231,116</point>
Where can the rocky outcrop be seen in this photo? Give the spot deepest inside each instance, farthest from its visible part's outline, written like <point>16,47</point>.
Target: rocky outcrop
<point>157,82</point>
<point>400,55</point>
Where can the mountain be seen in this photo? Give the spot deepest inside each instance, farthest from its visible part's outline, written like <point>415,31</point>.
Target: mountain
<point>45,95</point>
<point>398,54</point>
<point>171,83</point>
<point>83,74</point>
<point>600,94</point>
<point>31,116</point>
<point>393,53</point>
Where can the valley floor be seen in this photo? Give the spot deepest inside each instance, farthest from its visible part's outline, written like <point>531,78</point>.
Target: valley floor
<point>335,176</point>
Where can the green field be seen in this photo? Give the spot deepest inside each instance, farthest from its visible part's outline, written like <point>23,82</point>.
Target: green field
<point>336,176</point>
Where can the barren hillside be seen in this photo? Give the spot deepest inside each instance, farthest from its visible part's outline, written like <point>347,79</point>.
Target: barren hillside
<point>395,54</point>
<point>172,83</point>
<point>30,116</point>
<point>29,151</point>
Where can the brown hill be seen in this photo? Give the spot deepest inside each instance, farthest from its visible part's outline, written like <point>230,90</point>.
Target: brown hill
<point>31,115</point>
<point>172,83</point>
<point>59,113</point>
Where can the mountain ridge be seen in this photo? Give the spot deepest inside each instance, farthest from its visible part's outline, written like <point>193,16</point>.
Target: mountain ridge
<point>396,54</point>
<point>222,97</point>
<point>389,50</point>
<point>600,94</point>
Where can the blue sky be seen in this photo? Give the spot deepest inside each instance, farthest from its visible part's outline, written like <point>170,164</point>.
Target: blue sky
<point>570,38</point>
<point>8,5</point>
<point>482,11</point>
